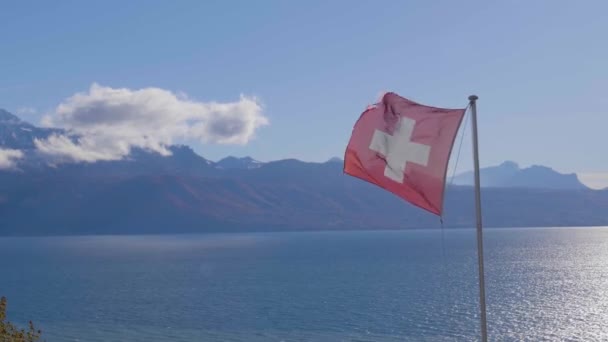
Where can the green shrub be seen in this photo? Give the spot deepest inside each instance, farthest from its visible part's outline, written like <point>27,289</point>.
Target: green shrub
<point>10,333</point>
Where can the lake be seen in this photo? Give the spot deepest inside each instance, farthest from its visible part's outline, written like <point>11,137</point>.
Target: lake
<point>416,285</point>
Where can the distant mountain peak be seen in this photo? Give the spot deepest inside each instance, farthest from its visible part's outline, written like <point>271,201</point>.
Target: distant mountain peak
<point>509,164</point>
<point>334,160</point>
<point>539,167</point>
<point>233,158</point>
<point>181,149</point>
<point>232,162</point>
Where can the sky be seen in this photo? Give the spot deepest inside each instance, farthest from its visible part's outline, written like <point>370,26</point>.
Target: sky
<point>287,79</point>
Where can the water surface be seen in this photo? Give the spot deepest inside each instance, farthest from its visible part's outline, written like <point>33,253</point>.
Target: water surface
<point>542,284</point>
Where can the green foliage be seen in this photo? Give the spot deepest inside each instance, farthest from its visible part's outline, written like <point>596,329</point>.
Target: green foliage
<point>10,333</point>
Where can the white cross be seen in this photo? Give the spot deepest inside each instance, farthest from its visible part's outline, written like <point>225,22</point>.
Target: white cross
<point>398,149</point>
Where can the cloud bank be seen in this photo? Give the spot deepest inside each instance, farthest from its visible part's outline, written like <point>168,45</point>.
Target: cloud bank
<point>106,123</point>
<point>8,158</point>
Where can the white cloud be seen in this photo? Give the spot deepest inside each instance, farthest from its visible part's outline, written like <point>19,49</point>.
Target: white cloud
<point>105,123</point>
<point>594,180</point>
<point>8,158</point>
<point>86,148</point>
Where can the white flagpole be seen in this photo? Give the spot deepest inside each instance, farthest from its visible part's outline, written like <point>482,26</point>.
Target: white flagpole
<point>482,285</point>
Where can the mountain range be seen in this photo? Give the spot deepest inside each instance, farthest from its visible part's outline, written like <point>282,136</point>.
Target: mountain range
<point>510,175</point>
<point>184,192</point>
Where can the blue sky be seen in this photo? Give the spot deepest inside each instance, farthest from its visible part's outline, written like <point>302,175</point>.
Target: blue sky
<point>539,67</point>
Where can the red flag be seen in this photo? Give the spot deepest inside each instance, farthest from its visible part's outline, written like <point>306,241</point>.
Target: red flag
<point>404,147</point>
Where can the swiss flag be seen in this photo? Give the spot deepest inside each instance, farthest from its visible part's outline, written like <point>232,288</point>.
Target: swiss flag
<point>404,147</point>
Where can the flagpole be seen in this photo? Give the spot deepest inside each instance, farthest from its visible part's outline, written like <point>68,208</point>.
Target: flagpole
<point>482,285</point>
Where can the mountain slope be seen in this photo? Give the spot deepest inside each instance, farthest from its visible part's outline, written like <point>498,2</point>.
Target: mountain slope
<point>78,204</point>
<point>18,134</point>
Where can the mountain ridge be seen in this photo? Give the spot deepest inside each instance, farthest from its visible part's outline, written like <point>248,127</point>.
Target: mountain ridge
<point>509,174</point>
<point>18,134</point>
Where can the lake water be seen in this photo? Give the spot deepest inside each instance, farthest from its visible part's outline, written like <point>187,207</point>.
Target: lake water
<point>421,285</point>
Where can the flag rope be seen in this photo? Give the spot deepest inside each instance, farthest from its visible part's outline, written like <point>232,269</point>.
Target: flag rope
<point>464,130</point>
<point>441,222</point>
